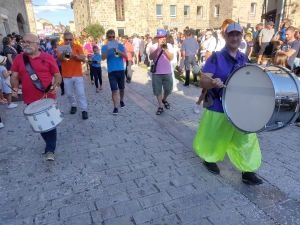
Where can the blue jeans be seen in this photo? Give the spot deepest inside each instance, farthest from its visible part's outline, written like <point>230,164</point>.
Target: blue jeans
<point>50,139</point>
<point>97,73</point>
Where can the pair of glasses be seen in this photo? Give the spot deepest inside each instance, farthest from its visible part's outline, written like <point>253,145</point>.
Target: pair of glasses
<point>28,42</point>
<point>111,36</point>
<point>68,39</point>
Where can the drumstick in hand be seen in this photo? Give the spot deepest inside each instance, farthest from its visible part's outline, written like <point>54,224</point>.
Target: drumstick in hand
<point>203,74</point>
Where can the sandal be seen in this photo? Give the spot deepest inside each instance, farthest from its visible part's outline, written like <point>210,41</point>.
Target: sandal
<point>167,105</point>
<point>159,111</point>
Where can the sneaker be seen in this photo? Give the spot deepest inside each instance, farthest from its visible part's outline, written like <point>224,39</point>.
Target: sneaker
<point>122,104</point>
<point>197,108</point>
<point>175,89</point>
<point>73,110</point>
<point>185,85</point>
<point>12,105</point>
<point>49,156</point>
<point>62,93</point>
<point>101,87</point>
<point>85,115</point>
<point>92,82</point>
<point>97,90</point>
<point>1,125</point>
<point>251,178</point>
<point>115,112</point>
<point>212,167</point>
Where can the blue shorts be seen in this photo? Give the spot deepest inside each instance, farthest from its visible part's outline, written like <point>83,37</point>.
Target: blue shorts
<point>117,80</point>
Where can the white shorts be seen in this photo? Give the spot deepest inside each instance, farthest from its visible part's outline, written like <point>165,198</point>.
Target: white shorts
<point>5,88</point>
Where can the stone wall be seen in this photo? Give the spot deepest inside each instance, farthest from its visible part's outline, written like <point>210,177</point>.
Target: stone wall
<point>81,14</point>
<point>31,17</point>
<point>10,12</point>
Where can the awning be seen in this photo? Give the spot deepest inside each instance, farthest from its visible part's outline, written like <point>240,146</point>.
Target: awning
<point>269,16</point>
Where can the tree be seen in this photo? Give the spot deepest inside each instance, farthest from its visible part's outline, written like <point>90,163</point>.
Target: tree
<point>95,30</point>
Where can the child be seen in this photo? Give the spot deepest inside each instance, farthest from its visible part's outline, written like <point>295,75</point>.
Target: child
<point>96,67</point>
<point>2,99</point>
<point>5,82</point>
<point>281,60</point>
<point>249,49</point>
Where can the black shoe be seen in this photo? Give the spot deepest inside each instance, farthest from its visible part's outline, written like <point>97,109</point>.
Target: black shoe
<point>251,178</point>
<point>212,167</point>
<point>185,85</point>
<point>115,112</point>
<point>73,110</point>
<point>85,115</point>
<point>62,93</point>
<point>122,104</point>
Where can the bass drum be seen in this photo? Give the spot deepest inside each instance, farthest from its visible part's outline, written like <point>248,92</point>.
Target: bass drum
<point>260,98</point>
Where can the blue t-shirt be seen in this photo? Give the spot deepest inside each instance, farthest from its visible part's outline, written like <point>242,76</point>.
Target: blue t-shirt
<point>221,68</point>
<point>54,55</point>
<point>96,57</point>
<point>114,63</point>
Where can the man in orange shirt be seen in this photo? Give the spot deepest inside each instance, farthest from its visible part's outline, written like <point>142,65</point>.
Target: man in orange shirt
<point>129,52</point>
<point>72,74</point>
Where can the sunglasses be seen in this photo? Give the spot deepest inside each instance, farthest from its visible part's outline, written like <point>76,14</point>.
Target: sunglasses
<point>68,39</point>
<point>111,36</point>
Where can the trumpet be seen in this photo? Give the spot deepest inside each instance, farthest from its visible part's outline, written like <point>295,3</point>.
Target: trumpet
<point>116,52</point>
<point>164,46</point>
<point>67,56</point>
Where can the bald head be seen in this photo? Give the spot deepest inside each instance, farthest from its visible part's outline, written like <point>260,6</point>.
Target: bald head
<point>31,37</point>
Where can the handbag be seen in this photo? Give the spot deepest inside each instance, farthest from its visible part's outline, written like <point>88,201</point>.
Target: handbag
<point>34,77</point>
<point>153,65</point>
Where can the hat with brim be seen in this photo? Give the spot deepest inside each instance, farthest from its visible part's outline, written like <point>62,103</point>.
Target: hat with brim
<point>161,33</point>
<point>2,59</point>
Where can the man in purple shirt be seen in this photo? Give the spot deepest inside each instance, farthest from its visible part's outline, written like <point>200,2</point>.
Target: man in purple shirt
<point>216,136</point>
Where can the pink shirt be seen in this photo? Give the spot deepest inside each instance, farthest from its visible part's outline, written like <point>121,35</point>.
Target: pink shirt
<point>163,65</point>
<point>89,48</point>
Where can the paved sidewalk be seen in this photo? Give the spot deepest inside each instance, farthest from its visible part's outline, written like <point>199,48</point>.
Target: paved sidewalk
<point>138,168</point>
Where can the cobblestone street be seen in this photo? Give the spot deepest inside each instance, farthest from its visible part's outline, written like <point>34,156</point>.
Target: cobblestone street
<point>138,168</point>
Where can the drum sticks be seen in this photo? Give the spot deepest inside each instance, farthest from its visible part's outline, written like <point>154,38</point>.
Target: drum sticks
<point>203,74</point>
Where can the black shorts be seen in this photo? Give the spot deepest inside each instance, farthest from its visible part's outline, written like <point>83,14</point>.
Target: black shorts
<point>266,49</point>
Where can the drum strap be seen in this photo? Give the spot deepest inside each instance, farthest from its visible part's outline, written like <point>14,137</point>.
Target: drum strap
<point>33,76</point>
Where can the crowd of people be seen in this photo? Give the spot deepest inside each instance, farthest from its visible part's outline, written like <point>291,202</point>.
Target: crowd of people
<point>216,52</point>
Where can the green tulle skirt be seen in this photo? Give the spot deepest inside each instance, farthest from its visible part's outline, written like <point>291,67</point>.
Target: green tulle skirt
<point>216,137</point>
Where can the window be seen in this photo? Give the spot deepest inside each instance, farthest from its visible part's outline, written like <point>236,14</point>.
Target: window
<point>173,11</point>
<point>120,12</point>
<point>217,9</point>
<point>186,11</point>
<point>253,8</point>
<point>158,10</point>
<point>121,32</point>
<point>199,11</point>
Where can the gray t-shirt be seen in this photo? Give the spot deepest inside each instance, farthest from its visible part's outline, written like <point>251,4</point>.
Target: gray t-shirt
<point>266,35</point>
<point>286,46</point>
<point>190,45</point>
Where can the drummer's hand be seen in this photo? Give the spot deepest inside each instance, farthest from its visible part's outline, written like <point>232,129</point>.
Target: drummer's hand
<point>218,83</point>
<point>53,89</point>
<point>15,93</point>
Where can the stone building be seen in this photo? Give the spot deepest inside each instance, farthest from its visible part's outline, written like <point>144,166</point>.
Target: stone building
<point>31,17</point>
<point>13,18</point>
<point>142,16</point>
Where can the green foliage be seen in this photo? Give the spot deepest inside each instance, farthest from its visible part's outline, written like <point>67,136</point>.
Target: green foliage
<point>95,30</point>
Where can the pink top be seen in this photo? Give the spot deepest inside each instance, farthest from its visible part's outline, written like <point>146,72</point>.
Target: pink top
<point>89,48</point>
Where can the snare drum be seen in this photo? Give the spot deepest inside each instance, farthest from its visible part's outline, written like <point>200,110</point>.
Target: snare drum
<point>43,115</point>
<point>260,98</point>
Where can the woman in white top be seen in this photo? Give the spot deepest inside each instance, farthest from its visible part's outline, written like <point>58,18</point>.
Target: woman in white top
<point>173,62</point>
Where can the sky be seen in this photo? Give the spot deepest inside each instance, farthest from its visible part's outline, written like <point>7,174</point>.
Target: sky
<point>54,11</point>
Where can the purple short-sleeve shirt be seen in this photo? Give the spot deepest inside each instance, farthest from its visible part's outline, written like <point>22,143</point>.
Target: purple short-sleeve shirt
<point>221,68</point>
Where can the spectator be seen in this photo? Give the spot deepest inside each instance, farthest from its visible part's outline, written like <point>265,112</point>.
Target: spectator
<point>9,51</point>
<point>264,38</point>
<point>136,43</point>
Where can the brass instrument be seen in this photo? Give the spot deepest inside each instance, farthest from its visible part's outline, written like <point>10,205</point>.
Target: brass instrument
<point>164,46</point>
<point>116,53</point>
<point>67,56</point>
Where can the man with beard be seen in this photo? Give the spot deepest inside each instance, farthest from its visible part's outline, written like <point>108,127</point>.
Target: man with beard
<point>215,135</point>
<point>46,69</point>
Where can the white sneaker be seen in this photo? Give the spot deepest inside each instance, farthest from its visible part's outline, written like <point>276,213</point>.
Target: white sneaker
<point>1,125</point>
<point>197,108</point>
<point>19,92</point>
<point>12,105</point>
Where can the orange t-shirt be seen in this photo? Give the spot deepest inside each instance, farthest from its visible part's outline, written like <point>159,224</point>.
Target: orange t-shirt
<point>72,68</point>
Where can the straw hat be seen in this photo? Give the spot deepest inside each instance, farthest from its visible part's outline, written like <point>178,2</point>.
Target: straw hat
<point>3,59</point>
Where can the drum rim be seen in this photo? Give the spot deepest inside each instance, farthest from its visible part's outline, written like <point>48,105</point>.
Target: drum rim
<point>276,109</point>
<point>37,113</point>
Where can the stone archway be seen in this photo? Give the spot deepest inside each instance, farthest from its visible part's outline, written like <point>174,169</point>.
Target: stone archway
<point>21,24</point>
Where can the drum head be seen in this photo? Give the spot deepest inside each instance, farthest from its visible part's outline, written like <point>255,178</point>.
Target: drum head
<point>249,98</point>
<point>39,105</point>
